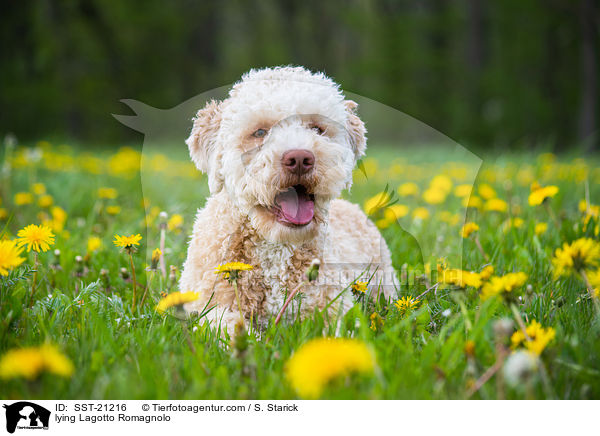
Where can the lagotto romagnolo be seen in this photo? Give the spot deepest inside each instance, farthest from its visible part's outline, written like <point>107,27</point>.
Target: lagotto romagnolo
<point>278,152</point>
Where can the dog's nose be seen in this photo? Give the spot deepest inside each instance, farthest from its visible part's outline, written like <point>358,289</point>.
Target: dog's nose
<point>298,161</point>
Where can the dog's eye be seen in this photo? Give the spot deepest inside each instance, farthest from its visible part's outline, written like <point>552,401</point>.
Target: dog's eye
<point>317,129</point>
<point>260,133</point>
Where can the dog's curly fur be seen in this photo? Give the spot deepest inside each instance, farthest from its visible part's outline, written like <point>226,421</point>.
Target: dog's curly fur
<point>299,110</point>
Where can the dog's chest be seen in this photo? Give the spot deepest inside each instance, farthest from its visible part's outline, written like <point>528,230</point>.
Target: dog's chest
<point>278,274</point>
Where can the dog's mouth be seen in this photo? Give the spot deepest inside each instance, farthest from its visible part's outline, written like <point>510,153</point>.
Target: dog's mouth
<point>295,206</point>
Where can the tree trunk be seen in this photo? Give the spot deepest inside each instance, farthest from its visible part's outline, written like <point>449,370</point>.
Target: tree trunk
<point>587,131</point>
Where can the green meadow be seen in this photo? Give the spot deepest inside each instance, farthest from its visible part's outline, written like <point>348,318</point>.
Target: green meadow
<point>470,331</point>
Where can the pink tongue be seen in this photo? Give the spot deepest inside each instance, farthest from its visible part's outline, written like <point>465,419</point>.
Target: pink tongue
<point>296,207</point>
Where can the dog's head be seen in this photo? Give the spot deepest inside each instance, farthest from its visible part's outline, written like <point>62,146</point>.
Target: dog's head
<point>282,146</point>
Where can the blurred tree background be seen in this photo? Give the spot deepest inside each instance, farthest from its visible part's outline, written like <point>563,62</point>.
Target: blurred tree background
<point>513,73</point>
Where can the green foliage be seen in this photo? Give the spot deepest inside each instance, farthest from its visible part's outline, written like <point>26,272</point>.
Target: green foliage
<point>485,73</point>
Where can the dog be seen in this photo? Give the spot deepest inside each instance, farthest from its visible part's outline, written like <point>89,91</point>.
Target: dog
<point>278,152</point>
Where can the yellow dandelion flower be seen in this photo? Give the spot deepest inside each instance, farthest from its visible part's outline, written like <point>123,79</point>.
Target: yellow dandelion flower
<point>233,266</point>
<point>94,243</point>
<point>540,228</point>
<point>460,278</point>
<point>359,287</point>
<point>9,256</point>
<point>582,254</point>
<point>541,193</point>
<point>462,191</point>
<point>376,322</point>
<point>473,201</point>
<point>406,304</point>
<point>516,223</point>
<point>495,205</point>
<point>486,272</point>
<point>23,198</point>
<point>113,210</point>
<point>38,188</point>
<point>3,213</point>
<point>125,163</point>
<point>539,337</point>
<point>107,193</point>
<point>45,201</point>
<point>31,361</point>
<point>376,203</point>
<point>469,228</point>
<point>40,238</point>
<point>175,223</point>
<point>176,299</point>
<point>156,253</point>
<point>383,223</point>
<point>594,278</point>
<point>441,183</point>
<point>420,213</point>
<point>127,242</point>
<point>589,209</point>
<point>391,214</point>
<point>486,191</point>
<point>408,189</point>
<point>469,348</point>
<point>434,196</point>
<point>322,360</point>
<point>503,285</point>
<point>395,211</point>
<point>59,216</point>
<point>230,270</point>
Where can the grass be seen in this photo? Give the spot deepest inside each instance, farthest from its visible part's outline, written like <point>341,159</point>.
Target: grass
<point>425,353</point>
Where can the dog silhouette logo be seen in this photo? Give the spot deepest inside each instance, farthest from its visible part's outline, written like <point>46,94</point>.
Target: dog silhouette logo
<point>164,128</point>
<point>26,415</point>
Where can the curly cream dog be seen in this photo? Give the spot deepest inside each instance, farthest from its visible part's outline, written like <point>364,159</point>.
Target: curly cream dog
<point>278,152</point>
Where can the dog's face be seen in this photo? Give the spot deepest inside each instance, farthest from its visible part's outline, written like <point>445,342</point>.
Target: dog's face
<point>282,146</point>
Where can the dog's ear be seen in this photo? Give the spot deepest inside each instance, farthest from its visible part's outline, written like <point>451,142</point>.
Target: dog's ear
<point>201,141</point>
<point>356,129</point>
